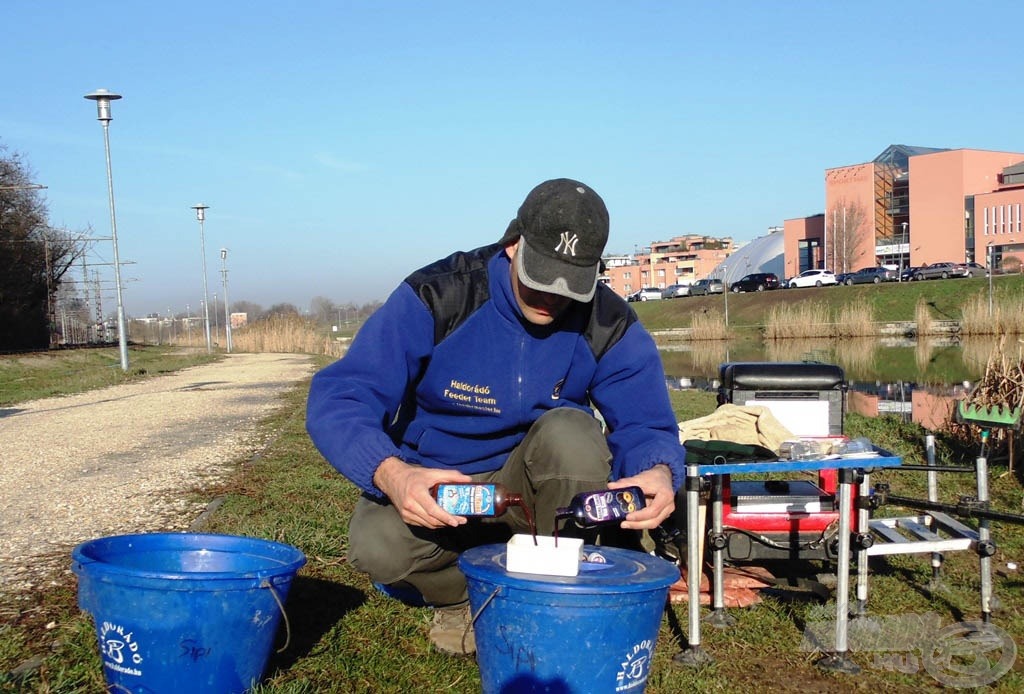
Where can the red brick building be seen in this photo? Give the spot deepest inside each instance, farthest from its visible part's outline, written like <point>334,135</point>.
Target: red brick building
<point>913,206</point>
<point>680,260</point>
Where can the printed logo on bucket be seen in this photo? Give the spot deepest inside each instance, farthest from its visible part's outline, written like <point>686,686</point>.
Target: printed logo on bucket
<point>635,667</point>
<point>119,650</point>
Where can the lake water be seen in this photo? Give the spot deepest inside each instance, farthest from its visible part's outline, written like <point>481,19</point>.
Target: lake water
<point>919,381</point>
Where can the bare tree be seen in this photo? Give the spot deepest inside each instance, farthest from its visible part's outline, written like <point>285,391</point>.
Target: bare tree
<point>322,309</point>
<point>33,258</point>
<point>848,227</point>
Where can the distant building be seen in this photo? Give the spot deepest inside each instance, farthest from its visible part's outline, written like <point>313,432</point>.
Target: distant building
<point>912,206</point>
<point>680,260</point>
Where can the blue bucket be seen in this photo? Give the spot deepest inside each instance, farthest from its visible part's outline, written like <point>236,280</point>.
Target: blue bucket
<point>184,612</point>
<point>594,632</point>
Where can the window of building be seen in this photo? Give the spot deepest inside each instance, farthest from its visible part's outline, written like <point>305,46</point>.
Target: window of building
<point>985,213</point>
<point>1018,217</point>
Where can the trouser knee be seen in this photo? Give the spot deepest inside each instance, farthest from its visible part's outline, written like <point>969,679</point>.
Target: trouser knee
<point>391,552</point>
<point>567,443</point>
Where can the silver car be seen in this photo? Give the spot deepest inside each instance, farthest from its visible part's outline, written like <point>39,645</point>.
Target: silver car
<point>675,290</point>
<point>938,271</point>
<point>707,286</point>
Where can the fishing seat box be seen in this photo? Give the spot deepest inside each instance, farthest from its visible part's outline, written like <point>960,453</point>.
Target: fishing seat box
<point>793,515</point>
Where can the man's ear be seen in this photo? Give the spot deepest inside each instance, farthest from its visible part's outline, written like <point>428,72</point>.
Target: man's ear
<point>511,249</point>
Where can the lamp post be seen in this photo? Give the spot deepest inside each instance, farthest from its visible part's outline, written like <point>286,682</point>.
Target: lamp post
<point>725,293</point>
<point>216,320</point>
<point>991,255</point>
<point>201,216</point>
<point>227,311</point>
<point>903,240</point>
<point>103,97</point>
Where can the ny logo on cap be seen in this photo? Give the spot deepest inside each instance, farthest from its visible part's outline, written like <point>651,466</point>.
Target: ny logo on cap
<point>567,244</point>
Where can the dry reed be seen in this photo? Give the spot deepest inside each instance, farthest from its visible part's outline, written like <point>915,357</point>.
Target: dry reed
<point>923,318</point>
<point>1005,316</point>
<point>284,333</point>
<point>708,325</point>
<point>786,322</point>
<point>857,320</point>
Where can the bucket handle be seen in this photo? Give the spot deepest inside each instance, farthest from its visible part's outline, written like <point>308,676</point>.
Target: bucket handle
<point>472,621</point>
<point>280,605</point>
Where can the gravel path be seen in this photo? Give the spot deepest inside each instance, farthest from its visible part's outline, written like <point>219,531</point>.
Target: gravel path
<point>121,459</point>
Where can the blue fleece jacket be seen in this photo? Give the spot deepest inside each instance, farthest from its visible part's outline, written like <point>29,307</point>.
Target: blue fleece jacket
<point>464,397</point>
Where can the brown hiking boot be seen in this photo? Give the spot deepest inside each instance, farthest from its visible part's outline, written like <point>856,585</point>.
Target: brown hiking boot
<point>452,630</point>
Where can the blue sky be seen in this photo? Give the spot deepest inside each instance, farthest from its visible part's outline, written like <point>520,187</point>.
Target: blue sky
<point>341,145</point>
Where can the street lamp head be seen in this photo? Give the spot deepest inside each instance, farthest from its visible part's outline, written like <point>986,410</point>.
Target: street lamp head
<point>200,211</point>
<point>223,254</point>
<point>103,97</point>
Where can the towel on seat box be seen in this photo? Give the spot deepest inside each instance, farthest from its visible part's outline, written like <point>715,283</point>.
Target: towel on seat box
<point>744,424</point>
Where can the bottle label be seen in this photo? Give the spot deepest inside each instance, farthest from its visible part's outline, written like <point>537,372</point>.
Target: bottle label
<point>612,504</point>
<point>466,499</point>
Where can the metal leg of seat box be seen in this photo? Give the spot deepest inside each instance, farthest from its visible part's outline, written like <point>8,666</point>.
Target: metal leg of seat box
<point>694,655</point>
<point>933,496</point>
<point>863,530</point>
<point>839,660</point>
<point>986,548</point>
<point>718,616</point>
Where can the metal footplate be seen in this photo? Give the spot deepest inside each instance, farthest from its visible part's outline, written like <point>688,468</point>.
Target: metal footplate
<point>930,532</point>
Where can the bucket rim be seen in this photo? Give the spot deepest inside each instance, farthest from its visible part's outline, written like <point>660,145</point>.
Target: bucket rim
<point>287,558</point>
<point>633,573</point>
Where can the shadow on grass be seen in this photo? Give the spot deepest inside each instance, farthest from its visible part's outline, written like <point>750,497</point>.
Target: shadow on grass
<point>314,607</point>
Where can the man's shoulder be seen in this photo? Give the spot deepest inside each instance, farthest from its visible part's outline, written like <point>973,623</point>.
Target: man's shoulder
<point>610,317</point>
<point>452,288</point>
<point>462,264</point>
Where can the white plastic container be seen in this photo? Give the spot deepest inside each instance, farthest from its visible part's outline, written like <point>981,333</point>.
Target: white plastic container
<point>523,556</point>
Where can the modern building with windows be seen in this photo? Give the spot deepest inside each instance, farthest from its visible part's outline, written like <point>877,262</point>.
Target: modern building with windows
<point>680,260</point>
<point>912,206</point>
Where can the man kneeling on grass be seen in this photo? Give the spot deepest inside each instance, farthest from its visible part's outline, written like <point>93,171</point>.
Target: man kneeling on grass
<point>485,367</point>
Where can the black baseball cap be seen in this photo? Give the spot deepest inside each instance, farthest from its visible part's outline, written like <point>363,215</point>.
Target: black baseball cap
<point>563,228</point>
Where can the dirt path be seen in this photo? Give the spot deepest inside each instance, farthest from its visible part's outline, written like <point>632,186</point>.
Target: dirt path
<point>119,460</point>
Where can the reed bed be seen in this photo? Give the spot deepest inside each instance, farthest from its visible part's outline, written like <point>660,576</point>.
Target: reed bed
<point>1006,316</point>
<point>856,320</point>
<point>708,325</point>
<point>284,333</point>
<point>788,322</point>
<point>923,322</point>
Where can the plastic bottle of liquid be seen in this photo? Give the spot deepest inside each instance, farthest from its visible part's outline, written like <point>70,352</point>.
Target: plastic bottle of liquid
<point>475,499</point>
<point>604,506</point>
<point>857,446</point>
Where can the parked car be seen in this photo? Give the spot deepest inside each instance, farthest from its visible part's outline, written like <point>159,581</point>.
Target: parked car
<point>755,282</point>
<point>870,275</point>
<point>645,294</point>
<point>938,270</point>
<point>973,270</point>
<point>675,290</point>
<point>812,278</point>
<point>705,287</point>
<point>908,273</point>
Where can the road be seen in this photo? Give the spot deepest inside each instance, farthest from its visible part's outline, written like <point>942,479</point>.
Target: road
<point>124,459</point>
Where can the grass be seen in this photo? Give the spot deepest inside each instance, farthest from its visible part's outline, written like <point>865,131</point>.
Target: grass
<point>43,374</point>
<point>347,637</point>
<point>954,299</point>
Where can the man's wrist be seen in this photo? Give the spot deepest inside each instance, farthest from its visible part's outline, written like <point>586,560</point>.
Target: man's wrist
<point>385,472</point>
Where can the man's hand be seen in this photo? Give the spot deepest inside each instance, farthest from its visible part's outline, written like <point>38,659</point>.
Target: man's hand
<point>661,499</point>
<point>408,488</point>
